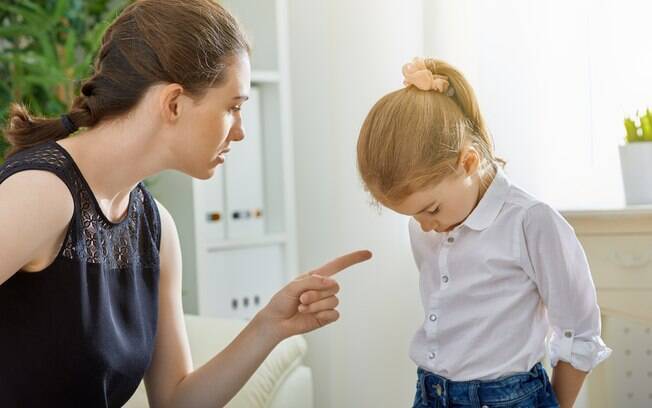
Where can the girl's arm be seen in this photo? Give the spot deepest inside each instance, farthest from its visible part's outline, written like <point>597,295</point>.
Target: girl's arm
<point>554,258</point>
<point>171,381</point>
<point>567,382</point>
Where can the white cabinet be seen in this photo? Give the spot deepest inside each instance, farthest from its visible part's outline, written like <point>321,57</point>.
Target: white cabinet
<point>237,230</point>
<point>618,245</point>
<point>240,280</point>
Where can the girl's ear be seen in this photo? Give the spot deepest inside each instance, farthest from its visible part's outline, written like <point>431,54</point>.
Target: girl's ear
<point>469,161</point>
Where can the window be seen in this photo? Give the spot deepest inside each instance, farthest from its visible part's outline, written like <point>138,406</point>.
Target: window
<point>555,80</point>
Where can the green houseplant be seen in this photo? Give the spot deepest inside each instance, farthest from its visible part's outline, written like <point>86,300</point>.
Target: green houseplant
<point>46,50</point>
<point>636,159</point>
<point>641,132</point>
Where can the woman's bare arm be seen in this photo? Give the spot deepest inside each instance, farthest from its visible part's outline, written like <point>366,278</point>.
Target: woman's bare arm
<point>35,210</point>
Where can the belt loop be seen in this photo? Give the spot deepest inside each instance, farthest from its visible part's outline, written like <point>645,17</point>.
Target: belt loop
<point>535,372</point>
<point>474,396</point>
<point>424,390</point>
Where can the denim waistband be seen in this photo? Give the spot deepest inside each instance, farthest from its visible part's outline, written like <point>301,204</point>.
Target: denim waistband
<point>498,391</point>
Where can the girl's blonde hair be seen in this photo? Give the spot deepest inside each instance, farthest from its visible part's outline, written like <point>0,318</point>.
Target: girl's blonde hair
<point>413,138</point>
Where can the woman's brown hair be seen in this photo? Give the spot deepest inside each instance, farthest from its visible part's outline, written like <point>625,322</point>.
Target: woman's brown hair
<point>187,42</point>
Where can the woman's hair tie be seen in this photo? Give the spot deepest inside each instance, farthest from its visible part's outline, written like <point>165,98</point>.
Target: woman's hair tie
<point>68,123</point>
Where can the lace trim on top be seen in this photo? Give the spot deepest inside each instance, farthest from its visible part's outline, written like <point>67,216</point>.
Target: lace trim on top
<point>91,237</point>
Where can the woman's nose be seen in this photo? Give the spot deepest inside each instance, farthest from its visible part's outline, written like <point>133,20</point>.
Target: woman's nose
<point>237,133</point>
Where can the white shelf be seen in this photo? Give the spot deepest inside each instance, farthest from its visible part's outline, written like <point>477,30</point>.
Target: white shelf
<point>263,77</point>
<point>247,243</point>
<point>632,210</point>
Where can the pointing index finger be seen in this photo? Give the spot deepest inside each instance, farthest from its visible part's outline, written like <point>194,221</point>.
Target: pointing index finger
<point>341,263</point>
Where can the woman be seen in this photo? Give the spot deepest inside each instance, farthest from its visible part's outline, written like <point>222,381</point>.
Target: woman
<point>90,265</point>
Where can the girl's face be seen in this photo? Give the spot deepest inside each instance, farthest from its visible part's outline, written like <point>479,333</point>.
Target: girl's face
<point>447,204</point>
<point>206,127</point>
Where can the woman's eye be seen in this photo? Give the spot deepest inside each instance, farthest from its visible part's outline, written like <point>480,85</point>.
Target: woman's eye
<point>236,109</point>
<point>433,212</point>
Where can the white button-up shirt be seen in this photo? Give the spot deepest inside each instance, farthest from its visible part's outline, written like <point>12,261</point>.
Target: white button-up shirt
<point>493,287</point>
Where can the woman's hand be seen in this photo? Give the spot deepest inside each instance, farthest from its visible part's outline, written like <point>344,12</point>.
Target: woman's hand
<point>309,301</point>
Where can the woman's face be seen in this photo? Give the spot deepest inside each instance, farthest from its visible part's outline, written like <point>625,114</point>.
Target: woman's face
<point>207,126</point>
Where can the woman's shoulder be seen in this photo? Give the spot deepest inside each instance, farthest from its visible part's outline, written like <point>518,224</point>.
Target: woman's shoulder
<point>38,181</point>
<point>35,189</point>
<point>36,207</point>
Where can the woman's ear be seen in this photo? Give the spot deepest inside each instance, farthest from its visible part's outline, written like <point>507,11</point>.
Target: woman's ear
<point>469,161</point>
<point>170,102</point>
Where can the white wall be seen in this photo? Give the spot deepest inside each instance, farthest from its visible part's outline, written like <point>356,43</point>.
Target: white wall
<point>555,80</point>
<point>344,56</point>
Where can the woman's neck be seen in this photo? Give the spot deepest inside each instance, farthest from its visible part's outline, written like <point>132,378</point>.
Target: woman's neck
<point>114,158</point>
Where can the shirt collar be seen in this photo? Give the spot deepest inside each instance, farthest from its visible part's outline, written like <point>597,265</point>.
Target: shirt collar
<point>491,203</point>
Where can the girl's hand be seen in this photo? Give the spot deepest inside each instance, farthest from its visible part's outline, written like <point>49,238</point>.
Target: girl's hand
<point>309,301</point>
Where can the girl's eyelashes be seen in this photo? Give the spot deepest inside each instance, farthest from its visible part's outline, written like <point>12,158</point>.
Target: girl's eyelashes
<point>236,108</point>
<point>435,211</point>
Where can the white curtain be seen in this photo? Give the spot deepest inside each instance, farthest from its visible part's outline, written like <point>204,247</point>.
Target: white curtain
<point>555,79</point>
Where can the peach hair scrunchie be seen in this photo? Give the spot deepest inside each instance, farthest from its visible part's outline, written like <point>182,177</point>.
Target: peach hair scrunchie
<point>416,73</point>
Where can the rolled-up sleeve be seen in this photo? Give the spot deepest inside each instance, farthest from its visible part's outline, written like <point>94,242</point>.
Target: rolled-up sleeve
<point>556,261</point>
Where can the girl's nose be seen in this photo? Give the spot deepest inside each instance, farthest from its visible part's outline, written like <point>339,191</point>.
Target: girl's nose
<point>426,226</point>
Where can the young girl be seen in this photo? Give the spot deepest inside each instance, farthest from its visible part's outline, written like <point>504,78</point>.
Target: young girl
<point>90,264</point>
<point>498,267</point>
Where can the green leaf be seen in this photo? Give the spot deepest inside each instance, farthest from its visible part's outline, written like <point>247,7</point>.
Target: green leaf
<point>47,48</point>
<point>11,32</point>
<point>69,48</point>
<point>35,19</point>
<point>60,9</point>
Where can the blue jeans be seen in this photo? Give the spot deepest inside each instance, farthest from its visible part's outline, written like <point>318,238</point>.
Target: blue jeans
<point>523,390</point>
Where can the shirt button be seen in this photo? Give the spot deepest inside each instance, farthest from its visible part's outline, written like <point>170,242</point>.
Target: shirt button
<point>431,355</point>
<point>451,240</point>
<point>432,317</point>
<point>568,333</point>
<point>444,278</point>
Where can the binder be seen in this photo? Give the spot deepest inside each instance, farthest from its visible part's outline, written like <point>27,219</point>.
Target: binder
<point>210,208</point>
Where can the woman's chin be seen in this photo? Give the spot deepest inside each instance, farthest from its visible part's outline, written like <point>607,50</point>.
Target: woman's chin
<point>204,173</point>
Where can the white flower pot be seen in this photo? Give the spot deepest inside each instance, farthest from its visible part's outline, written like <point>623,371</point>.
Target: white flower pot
<point>636,164</point>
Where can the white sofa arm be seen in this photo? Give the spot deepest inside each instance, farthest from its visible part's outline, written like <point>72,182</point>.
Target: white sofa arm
<point>281,381</point>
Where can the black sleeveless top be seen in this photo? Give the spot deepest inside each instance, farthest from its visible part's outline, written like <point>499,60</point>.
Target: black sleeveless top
<point>81,332</point>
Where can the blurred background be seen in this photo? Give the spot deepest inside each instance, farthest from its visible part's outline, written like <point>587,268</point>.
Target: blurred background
<point>555,81</point>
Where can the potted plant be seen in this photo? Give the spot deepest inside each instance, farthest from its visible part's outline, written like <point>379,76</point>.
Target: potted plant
<point>46,49</point>
<point>636,160</point>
